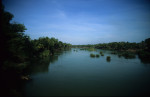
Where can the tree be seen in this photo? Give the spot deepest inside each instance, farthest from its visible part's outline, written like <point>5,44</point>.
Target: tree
<point>12,39</point>
<point>147,42</point>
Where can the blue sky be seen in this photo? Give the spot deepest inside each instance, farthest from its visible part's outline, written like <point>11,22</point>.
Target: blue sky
<point>83,21</point>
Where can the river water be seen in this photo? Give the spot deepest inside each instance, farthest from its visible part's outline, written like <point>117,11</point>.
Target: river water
<point>75,73</point>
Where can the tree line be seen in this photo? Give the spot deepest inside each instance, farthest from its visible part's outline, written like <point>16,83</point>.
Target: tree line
<point>17,47</point>
<point>123,45</point>
<point>142,48</point>
<point>144,45</point>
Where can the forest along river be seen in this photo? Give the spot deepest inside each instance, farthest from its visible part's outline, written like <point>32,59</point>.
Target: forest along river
<point>75,73</point>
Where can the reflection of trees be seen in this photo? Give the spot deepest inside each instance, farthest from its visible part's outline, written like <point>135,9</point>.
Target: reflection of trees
<point>41,65</point>
<point>145,61</point>
<point>125,54</point>
<point>53,58</point>
<point>108,60</point>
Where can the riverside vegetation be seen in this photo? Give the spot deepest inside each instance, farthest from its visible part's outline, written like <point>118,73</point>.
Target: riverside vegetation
<point>18,50</point>
<point>125,49</point>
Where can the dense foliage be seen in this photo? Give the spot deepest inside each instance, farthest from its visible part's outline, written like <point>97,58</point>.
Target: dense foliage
<point>126,49</point>
<point>119,45</point>
<point>17,49</point>
<point>45,46</point>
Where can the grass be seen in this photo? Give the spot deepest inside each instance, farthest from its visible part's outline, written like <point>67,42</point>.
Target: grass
<point>101,53</point>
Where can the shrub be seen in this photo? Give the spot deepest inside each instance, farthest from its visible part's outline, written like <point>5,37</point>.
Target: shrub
<point>102,54</point>
<point>92,55</point>
<point>128,55</point>
<point>45,53</point>
<point>97,55</point>
<point>108,58</point>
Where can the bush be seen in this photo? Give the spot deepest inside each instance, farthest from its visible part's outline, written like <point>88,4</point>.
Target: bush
<point>128,55</point>
<point>97,55</point>
<point>101,52</point>
<point>108,58</point>
<point>92,55</point>
<point>45,53</point>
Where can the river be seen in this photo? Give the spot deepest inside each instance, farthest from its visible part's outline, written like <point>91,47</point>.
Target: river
<point>75,73</point>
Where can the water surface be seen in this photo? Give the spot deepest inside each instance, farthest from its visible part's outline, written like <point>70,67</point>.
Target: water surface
<point>75,73</point>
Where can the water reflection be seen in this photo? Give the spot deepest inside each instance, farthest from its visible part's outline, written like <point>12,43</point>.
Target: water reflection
<point>145,61</point>
<point>76,74</point>
<point>52,59</point>
<point>108,60</point>
<point>126,55</point>
<point>119,56</point>
<point>41,65</point>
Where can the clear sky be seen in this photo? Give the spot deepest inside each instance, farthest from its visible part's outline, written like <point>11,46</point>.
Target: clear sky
<point>83,21</point>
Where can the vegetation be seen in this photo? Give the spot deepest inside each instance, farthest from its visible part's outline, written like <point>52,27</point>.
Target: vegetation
<point>101,52</point>
<point>91,49</point>
<point>45,46</point>
<point>120,46</point>
<point>97,55</point>
<point>84,46</point>
<point>128,55</point>
<point>17,50</point>
<point>108,58</point>
<point>92,55</point>
<point>125,49</point>
<point>145,53</point>
<point>87,48</point>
